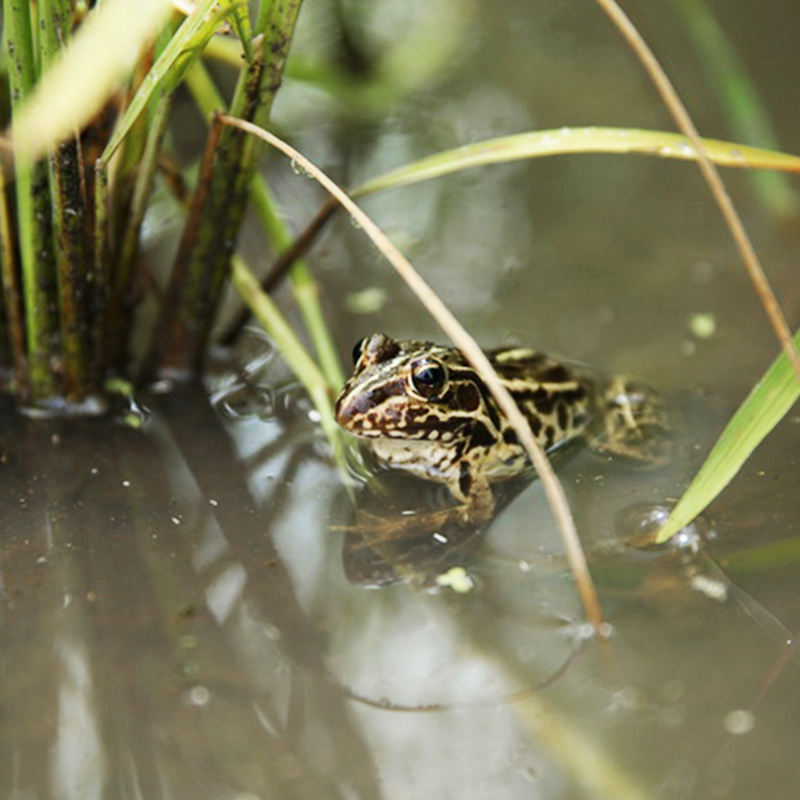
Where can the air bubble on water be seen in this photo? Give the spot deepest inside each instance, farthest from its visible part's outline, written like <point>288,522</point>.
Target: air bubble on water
<point>712,588</point>
<point>199,696</point>
<point>606,630</point>
<point>457,579</point>
<point>739,721</point>
<point>688,540</point>
<point>585,631</point>
<point>239,401</point>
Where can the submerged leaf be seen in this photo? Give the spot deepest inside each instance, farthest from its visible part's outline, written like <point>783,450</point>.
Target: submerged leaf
<point>765,406</point>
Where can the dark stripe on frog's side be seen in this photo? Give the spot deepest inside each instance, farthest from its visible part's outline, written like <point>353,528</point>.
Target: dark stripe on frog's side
<point>481,436</point>
<point>431,420</point>
<point>428,422</point>
<point>563,415</point>
<point>464,479</point>
<point>556,373</point>
<point>466,375</point>
<point>545,399</point>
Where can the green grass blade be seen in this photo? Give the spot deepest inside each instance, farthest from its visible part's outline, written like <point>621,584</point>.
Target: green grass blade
<point>120,314</point>
<point>19,50</point>
<point>102,267</point>
<point>538,144</point>
<point>293,352</point>
<point>765,406</point>
<point>73,264</point>
<point>202,264</point>
<point>34,231</point>
<point>169,69</point>
<point>73,270</point>
<point>98,59</point>
<point>304,287</point>
<point>12,292</point>
<point>240,15</point>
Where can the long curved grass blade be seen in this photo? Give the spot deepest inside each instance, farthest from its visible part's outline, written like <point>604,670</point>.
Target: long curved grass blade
<point>537,144</point>
<point>99,57</point>
<point>765,406</point>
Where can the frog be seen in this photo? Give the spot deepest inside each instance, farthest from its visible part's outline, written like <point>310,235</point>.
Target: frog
<point>422,408</point>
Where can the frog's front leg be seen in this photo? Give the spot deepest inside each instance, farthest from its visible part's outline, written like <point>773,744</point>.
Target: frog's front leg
<point>475,506</point>
<point>472,490</point>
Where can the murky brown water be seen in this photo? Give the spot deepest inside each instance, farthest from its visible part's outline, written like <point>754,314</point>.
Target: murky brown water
<point>176,618</point>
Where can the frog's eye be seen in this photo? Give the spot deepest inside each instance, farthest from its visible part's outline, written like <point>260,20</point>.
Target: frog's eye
<point>428,377</point>
<point>358,348</point>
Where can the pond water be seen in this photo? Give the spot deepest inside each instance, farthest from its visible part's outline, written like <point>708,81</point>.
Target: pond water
<point>181,615</point>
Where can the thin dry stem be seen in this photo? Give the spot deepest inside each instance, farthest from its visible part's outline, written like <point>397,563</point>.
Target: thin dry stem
<point>712,177</point>
<point>453,328</point>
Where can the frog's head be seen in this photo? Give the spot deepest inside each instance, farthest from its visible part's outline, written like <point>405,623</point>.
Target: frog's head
<point>410,390</point>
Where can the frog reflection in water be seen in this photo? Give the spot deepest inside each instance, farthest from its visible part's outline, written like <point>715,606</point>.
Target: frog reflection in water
<point>422,408</point>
